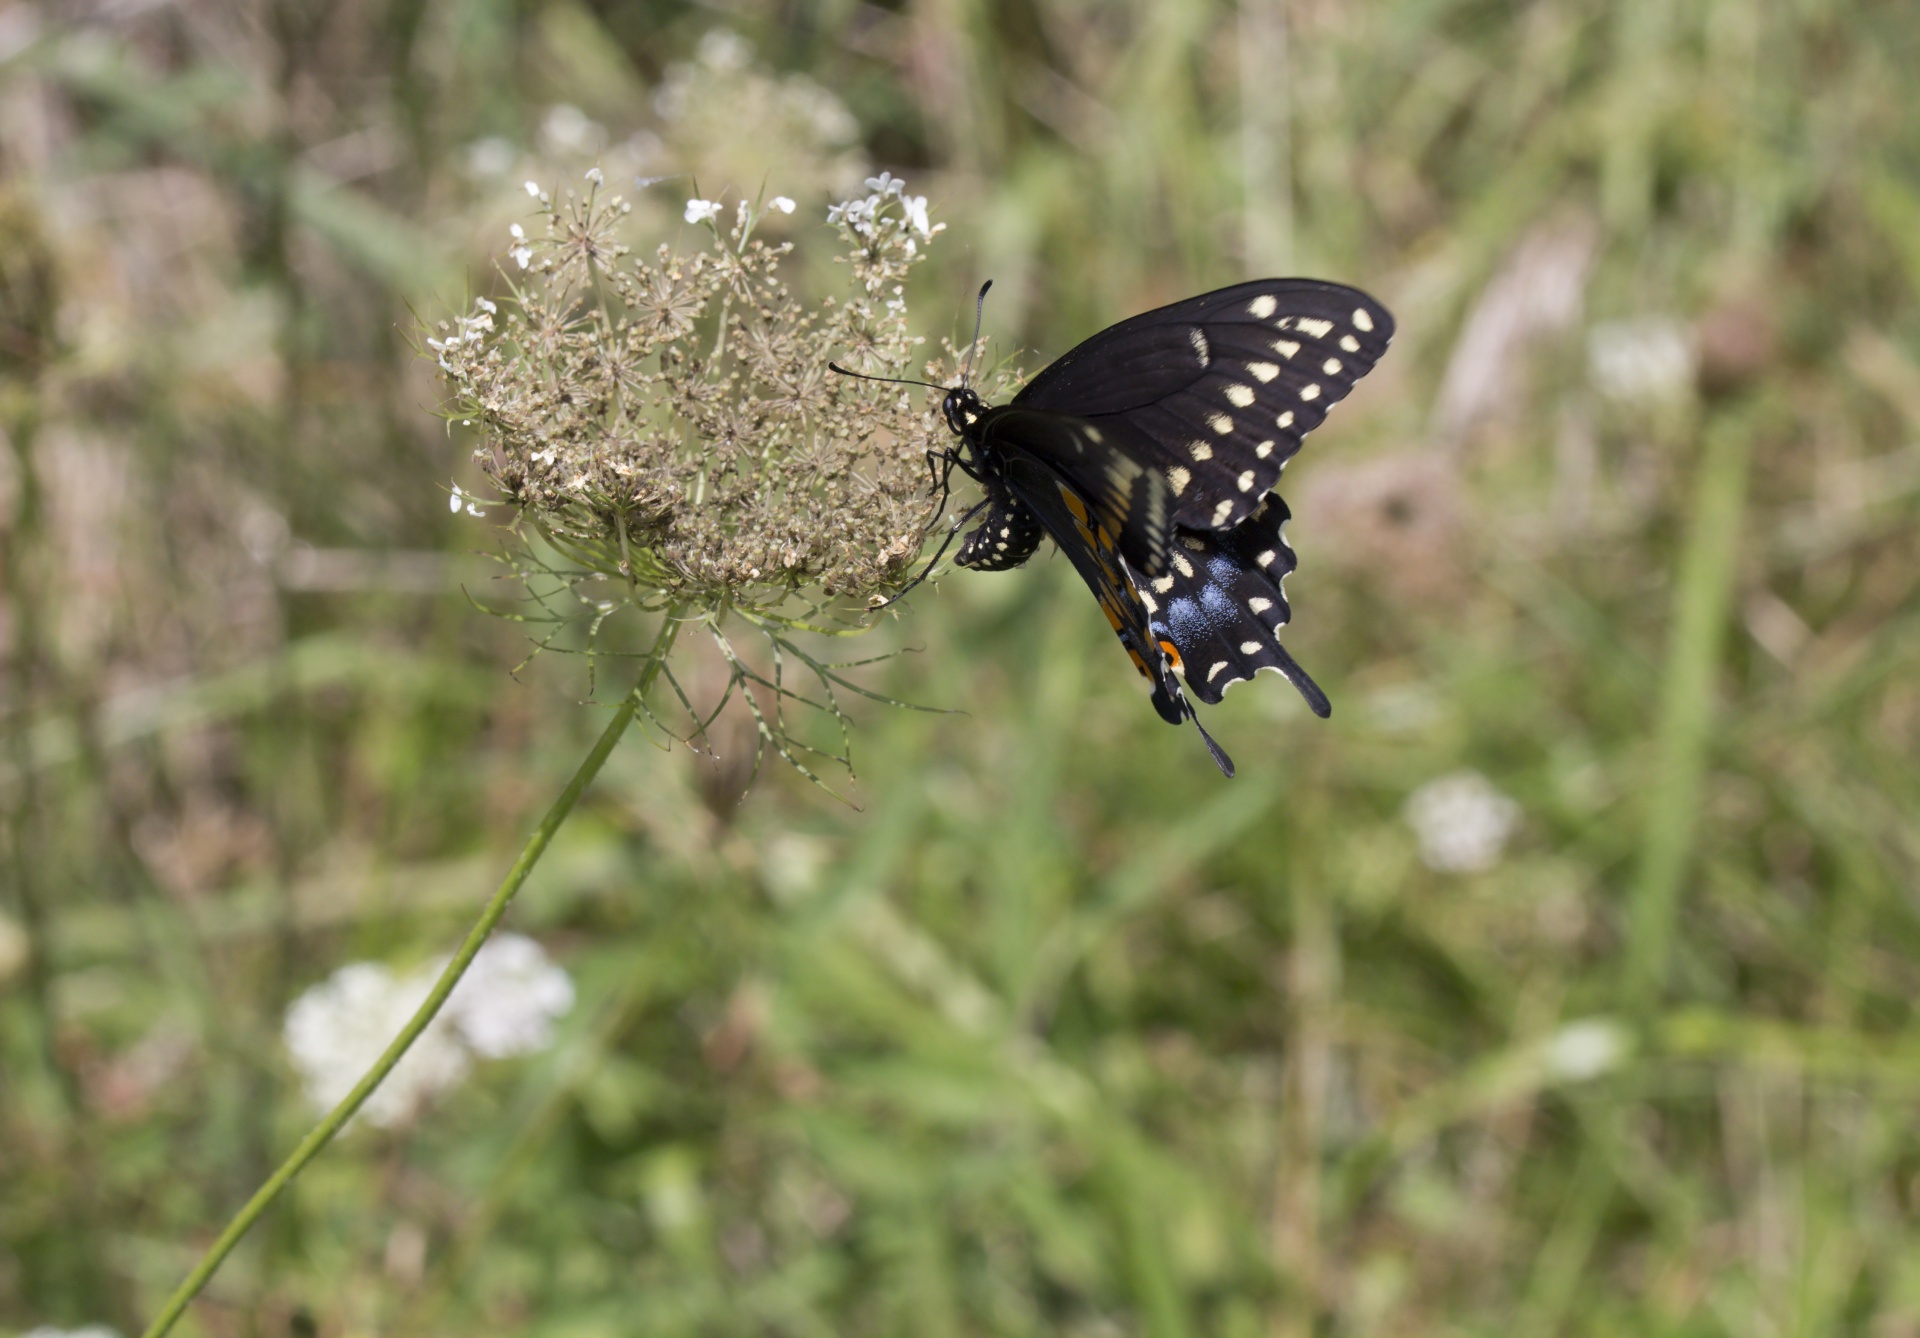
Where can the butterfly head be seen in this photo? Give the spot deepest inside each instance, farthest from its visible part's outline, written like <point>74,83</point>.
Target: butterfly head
<point>963,409</point>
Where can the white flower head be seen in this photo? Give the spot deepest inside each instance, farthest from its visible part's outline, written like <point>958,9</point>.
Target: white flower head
<point>455,499</point>
<point>702,211</point>
<point>522,255</point>
<point>595,177</point>
<point>84,1331</point>
<point>533,189</point>
<point>338,1028</point>
<point>490,157</point>
<point>886,184</point>
<point>509,999</point>
<point>917,214</point>
<point>724,49</point>
<point>518,233</point>
<point>1462,822</point>
<point>505,1005</point>
<point>782,203</point>
<point>1587,1049</point>
<point>1651,358</point>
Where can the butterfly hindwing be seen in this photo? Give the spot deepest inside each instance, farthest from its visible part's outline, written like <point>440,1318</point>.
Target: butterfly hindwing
<point>1076,527</point>
<point>1218,390</point>
<point>1222,605</point>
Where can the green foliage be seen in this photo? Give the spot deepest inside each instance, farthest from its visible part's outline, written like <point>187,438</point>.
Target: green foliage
<point>1059,1032</point>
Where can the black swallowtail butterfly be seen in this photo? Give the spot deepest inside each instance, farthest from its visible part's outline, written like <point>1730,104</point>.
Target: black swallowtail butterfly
<point>1146,454</point>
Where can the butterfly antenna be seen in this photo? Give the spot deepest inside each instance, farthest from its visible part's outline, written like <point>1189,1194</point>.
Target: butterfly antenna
<point>895,380</point>
<point>979,310</point>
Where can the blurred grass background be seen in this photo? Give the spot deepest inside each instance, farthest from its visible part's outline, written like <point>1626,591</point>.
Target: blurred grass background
<point>1058,1033</point>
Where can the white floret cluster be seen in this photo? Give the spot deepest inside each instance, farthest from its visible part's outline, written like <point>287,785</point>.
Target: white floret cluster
<point>1462,822</point>
<point>1649,358</point>
<point>506,1005</point>
<point>84,1331</point>
<point>868,216</point>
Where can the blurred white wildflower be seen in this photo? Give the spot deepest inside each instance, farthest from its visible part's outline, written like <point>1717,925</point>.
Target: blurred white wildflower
<point>595,177</point>
<point>702,211</point>
<point>566,129</point>
<point>736,122</point>
<point>505,1005</point>
<point>509,999</point>
<point>782,203</point>
<point>724,49</point>
<point>1587,1048</point>
<point>490,157</point>
<point>1650,358</point>
<point>532,188</point>
<point>336,1030</point>
<point>1462,822</point>
<point>84,1331</point>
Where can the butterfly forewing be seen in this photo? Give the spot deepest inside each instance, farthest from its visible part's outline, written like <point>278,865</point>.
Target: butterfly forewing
<point>1218,391</point>
<point>1078,529</point>
<point>1103,463</point>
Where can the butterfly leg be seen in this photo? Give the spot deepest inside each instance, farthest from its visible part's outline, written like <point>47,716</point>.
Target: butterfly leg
<point>945,543</point>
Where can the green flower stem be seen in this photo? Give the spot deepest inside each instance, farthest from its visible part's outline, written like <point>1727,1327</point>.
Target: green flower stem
<point>496,907</point>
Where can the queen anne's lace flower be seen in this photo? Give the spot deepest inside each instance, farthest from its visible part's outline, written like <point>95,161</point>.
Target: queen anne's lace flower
<point>725,465</point>
<point>1462,822</point>
<point>505,1005</point>
<point>510,998</point>
<point>336,1030</point>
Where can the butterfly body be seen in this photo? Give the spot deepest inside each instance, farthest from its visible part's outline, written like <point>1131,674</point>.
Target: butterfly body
<point>1147,454</point>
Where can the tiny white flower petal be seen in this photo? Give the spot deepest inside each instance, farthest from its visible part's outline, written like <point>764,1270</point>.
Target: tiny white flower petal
<point>522,254</point>
<point>533,189</point>
<point>783,204</point>
<point>594,176</point>
<point>518,233</point>
<point>917,214</point>
<point>453,500</point>
<point>702,211</point>
<point>486,306</point>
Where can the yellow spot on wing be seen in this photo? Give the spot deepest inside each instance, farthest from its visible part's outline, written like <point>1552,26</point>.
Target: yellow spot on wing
<point>1266,371</point>
<point>1074,504</point>
<point>1239,396</point>
<point>1362,321</point>
<point>1178,478</point>
<point>1262,306</point>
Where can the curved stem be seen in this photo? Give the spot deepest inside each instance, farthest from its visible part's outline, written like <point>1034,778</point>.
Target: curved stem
<point>496,906</point>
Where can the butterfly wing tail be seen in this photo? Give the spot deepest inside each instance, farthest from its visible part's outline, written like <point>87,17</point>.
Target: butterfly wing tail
<point>1220,758</point>
<point>1290,669</point>
<point>1175,709</point>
